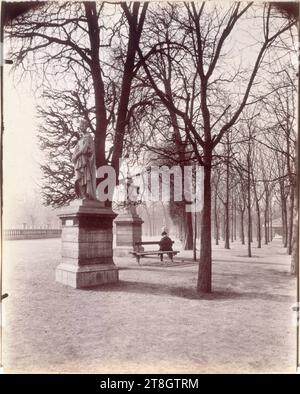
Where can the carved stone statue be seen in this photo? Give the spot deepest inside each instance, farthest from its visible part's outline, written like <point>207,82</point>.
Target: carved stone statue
<point>85,165</point>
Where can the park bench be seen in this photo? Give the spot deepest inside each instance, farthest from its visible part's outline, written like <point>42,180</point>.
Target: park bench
<point>138,253</point>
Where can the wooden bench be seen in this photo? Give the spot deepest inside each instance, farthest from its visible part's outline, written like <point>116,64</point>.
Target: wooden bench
<point>138,253</point>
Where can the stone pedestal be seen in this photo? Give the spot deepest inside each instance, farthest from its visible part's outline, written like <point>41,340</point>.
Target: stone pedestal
<point>87,245</point>
<point>128,232</point>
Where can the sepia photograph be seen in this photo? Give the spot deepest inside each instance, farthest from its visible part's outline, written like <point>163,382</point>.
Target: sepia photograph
<point>150,188</point>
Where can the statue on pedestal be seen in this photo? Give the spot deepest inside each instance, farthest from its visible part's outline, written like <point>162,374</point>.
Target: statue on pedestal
<point>85,164</point>
<point>131,197</point>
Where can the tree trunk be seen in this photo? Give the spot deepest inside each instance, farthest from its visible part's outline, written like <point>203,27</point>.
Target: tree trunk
<point>98,85</point>
<point>181,231</point>
<point>249,206</point>
<point>216,220</point>
<point>205,264</point>
<point>291,221</point>
<point>195,238</point>
<point>271,224</point>
<point>295,241</point>
<point>180,151</point>
<point>266,227</point>
<point>232,222</point>
<point>242,227</point>
<point>188,226</point>
<point>258,225</point>
<point>269,221</point>
<point>226,206</point>
<point>153,221</point>
<point>223,225</point>
<point>284,223</point>
<point>266,213</point>
<point>165,214</point>
<point>295,249</point>
<point>149,225</point>
<point>249,229</point>
<point>136,24</point>
<point>235,220</point>
<point>227,232</point>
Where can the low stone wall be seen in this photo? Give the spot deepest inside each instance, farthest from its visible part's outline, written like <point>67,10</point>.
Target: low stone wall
<point>13,234</point>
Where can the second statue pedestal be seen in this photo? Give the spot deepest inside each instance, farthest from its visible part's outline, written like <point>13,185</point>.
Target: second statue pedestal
<point>128,232</point>
<point>87,245</point>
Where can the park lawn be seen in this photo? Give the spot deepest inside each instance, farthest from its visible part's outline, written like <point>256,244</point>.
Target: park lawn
<point>152,321</point>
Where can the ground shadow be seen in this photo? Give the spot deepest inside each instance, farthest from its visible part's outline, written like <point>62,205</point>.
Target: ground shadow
<point>188,261</point>
<point>153,268</point>
<point>185,292</point>
<point>250,261</point>
<point>166,263</point>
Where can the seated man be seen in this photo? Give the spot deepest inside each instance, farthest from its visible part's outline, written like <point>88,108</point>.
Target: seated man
<point>165,244</point>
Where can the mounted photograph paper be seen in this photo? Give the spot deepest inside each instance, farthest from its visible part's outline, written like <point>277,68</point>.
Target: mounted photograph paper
<point>150,188</point>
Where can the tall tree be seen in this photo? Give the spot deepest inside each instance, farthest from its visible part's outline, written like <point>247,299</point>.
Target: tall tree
<point>205,30</point>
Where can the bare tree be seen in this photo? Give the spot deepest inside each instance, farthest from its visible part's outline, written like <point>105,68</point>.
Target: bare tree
<point>205,30</point>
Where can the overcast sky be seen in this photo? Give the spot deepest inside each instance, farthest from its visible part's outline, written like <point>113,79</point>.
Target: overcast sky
<point>20,151</point>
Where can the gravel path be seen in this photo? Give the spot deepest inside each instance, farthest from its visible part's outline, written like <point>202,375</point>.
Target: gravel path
<point>152,320</point>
